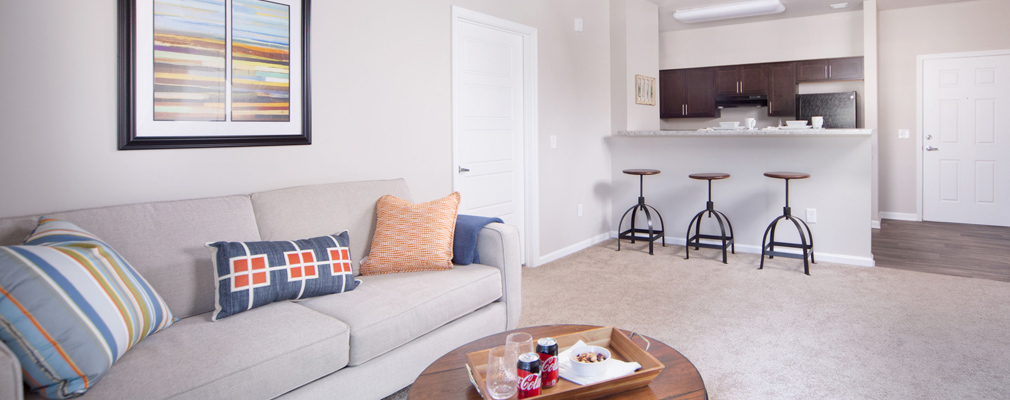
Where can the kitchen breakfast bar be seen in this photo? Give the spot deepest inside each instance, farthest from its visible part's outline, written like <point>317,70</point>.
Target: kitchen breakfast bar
<point>835,201</point>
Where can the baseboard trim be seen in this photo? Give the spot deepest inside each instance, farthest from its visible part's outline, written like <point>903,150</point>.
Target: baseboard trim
<point>875,224</point>
<point>756,249</point>
<point>898,216</point>
<point>554,255</point>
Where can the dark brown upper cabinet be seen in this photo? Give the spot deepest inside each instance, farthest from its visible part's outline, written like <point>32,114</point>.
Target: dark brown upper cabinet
<point>782,89</point>
<point>687,93</point>
<point>830,69</point>
<point>741,79</point>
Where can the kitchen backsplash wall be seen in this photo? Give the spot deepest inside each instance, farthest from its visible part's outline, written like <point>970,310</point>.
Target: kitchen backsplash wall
<point>761,113</point>
<point>728,114</point>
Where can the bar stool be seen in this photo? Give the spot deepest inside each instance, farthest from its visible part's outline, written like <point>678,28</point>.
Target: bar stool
<point>722,219</point>
<point>806,237</point>
<point>631,232</point>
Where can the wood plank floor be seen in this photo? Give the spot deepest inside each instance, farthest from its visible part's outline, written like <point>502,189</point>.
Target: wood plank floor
<point>975,251</point>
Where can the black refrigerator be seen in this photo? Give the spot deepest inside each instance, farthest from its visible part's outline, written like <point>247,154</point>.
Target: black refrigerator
<point>838,109</point>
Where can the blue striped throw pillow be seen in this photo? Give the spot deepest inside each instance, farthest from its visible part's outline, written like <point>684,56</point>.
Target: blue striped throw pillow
<point>254,274</point>
<point>70,306</point>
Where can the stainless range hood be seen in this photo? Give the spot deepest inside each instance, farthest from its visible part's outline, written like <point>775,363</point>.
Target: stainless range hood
<point>757,100</point>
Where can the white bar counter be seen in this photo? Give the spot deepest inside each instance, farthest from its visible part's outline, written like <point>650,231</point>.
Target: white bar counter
<point>753,132</point>
<point>838,160</point>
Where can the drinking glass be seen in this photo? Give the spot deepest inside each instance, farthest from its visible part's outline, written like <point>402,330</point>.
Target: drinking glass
<point>518,343</point>
<point>502,379</point>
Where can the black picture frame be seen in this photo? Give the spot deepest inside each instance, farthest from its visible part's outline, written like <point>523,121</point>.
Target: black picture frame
<point>130,139</point>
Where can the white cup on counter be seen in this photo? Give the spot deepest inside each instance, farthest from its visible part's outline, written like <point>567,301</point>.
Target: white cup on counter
<point>750,123</point>
<point>817,122</point>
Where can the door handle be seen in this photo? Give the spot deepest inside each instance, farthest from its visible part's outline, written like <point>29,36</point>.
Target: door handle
<point>462,170</point>
<point>931,148</point>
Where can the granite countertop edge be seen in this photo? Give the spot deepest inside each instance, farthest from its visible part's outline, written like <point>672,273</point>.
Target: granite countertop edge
<point>753,132</point>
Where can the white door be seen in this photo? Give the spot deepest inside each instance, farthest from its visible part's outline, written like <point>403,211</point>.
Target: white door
<point>966,140</point>
<point>489,122</point>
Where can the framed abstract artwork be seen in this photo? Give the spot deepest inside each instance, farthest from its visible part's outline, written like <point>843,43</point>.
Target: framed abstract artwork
<point>645,90</point>
<point>213,73</point>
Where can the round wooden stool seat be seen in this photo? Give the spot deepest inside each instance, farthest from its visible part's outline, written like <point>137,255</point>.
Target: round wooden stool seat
<point>641,171</point>
<point>787,175</point>
<point>708,176</point>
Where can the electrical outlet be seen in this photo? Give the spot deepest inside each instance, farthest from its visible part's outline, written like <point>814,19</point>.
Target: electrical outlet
<point>580,210</point>
<point>903,134</point>
<point>554,141</point>
<point>811,216</point>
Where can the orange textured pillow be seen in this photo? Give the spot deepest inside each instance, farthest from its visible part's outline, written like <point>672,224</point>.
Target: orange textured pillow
<point>412,237</point>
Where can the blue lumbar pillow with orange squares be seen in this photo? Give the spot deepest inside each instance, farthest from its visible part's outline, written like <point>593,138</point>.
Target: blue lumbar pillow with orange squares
<point>254,274</point>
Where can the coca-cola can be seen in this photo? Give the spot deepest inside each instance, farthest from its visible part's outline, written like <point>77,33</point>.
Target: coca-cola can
<point>547,348</point>
<point>529,375</point>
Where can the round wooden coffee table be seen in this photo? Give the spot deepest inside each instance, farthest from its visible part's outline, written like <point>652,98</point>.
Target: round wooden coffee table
<point>446,378</point>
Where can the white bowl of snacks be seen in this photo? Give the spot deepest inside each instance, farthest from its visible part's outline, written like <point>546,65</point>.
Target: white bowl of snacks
<point>589,360</point>
<point>732,124</point>
<point>796,124</point>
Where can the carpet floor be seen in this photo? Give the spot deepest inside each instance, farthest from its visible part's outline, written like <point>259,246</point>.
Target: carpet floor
<point>844,332</point>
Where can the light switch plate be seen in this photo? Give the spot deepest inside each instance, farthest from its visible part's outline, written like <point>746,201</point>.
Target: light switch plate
<point>902,133</point>
<point>554,141</point>
<point>578,24</point>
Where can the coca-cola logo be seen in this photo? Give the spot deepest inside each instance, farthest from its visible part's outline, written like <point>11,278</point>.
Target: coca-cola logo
<point>530,382</point>
<point>549,365</point>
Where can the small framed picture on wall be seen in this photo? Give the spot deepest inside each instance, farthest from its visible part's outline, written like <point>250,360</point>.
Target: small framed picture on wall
<point>645,90</point>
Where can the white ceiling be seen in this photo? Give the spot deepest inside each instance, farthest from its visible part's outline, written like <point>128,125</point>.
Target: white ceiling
<point>794,8</point>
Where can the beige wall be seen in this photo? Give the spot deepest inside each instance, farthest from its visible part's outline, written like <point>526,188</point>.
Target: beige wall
<point>642,59</point>
<point>905,34</point>
<point>634,41</point>
<point>381,109</point>
<point>821,36</point>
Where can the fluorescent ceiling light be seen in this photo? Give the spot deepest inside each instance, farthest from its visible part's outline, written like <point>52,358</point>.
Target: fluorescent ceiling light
<point>732,10</point>
<point>839,5</point>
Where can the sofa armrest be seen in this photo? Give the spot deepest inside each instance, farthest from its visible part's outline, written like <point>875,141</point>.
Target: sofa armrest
<point>11,386</point>
<point>498,246</point>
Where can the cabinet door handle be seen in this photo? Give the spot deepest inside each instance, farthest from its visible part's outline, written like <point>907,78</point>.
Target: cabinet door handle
<point>685,109</point>
<point>829,71</point>
<point>826,72</point>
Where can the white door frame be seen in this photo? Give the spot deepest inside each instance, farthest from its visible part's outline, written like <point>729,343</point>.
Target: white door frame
<point>531,180</point>
<point>919,117</point>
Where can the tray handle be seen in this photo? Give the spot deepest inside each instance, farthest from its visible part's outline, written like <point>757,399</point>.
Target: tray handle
<point>474,381</point>
<point>647,342</point>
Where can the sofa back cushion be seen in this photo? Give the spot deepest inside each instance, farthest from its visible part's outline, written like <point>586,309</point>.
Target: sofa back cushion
<point>326,209</point>
<point>163,241</point>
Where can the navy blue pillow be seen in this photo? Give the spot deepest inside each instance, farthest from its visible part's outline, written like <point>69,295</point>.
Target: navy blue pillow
<point>254,274</point>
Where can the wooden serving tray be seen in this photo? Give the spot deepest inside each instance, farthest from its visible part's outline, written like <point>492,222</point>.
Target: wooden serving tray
<point>621,348</point>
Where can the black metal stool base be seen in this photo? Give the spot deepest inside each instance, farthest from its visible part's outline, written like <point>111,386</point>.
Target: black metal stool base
<point>632,233</point>
<point>806,242</point>
<point>695,241</point>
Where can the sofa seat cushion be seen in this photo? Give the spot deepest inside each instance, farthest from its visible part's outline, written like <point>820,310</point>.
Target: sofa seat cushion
<point>387,311</point>
<point>259,354</point>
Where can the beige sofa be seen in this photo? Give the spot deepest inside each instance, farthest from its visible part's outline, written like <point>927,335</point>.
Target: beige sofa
<point>362,344</point>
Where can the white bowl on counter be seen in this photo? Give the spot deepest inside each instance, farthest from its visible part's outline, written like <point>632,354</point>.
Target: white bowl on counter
<point>733,124</point>
<point>796,124</point>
